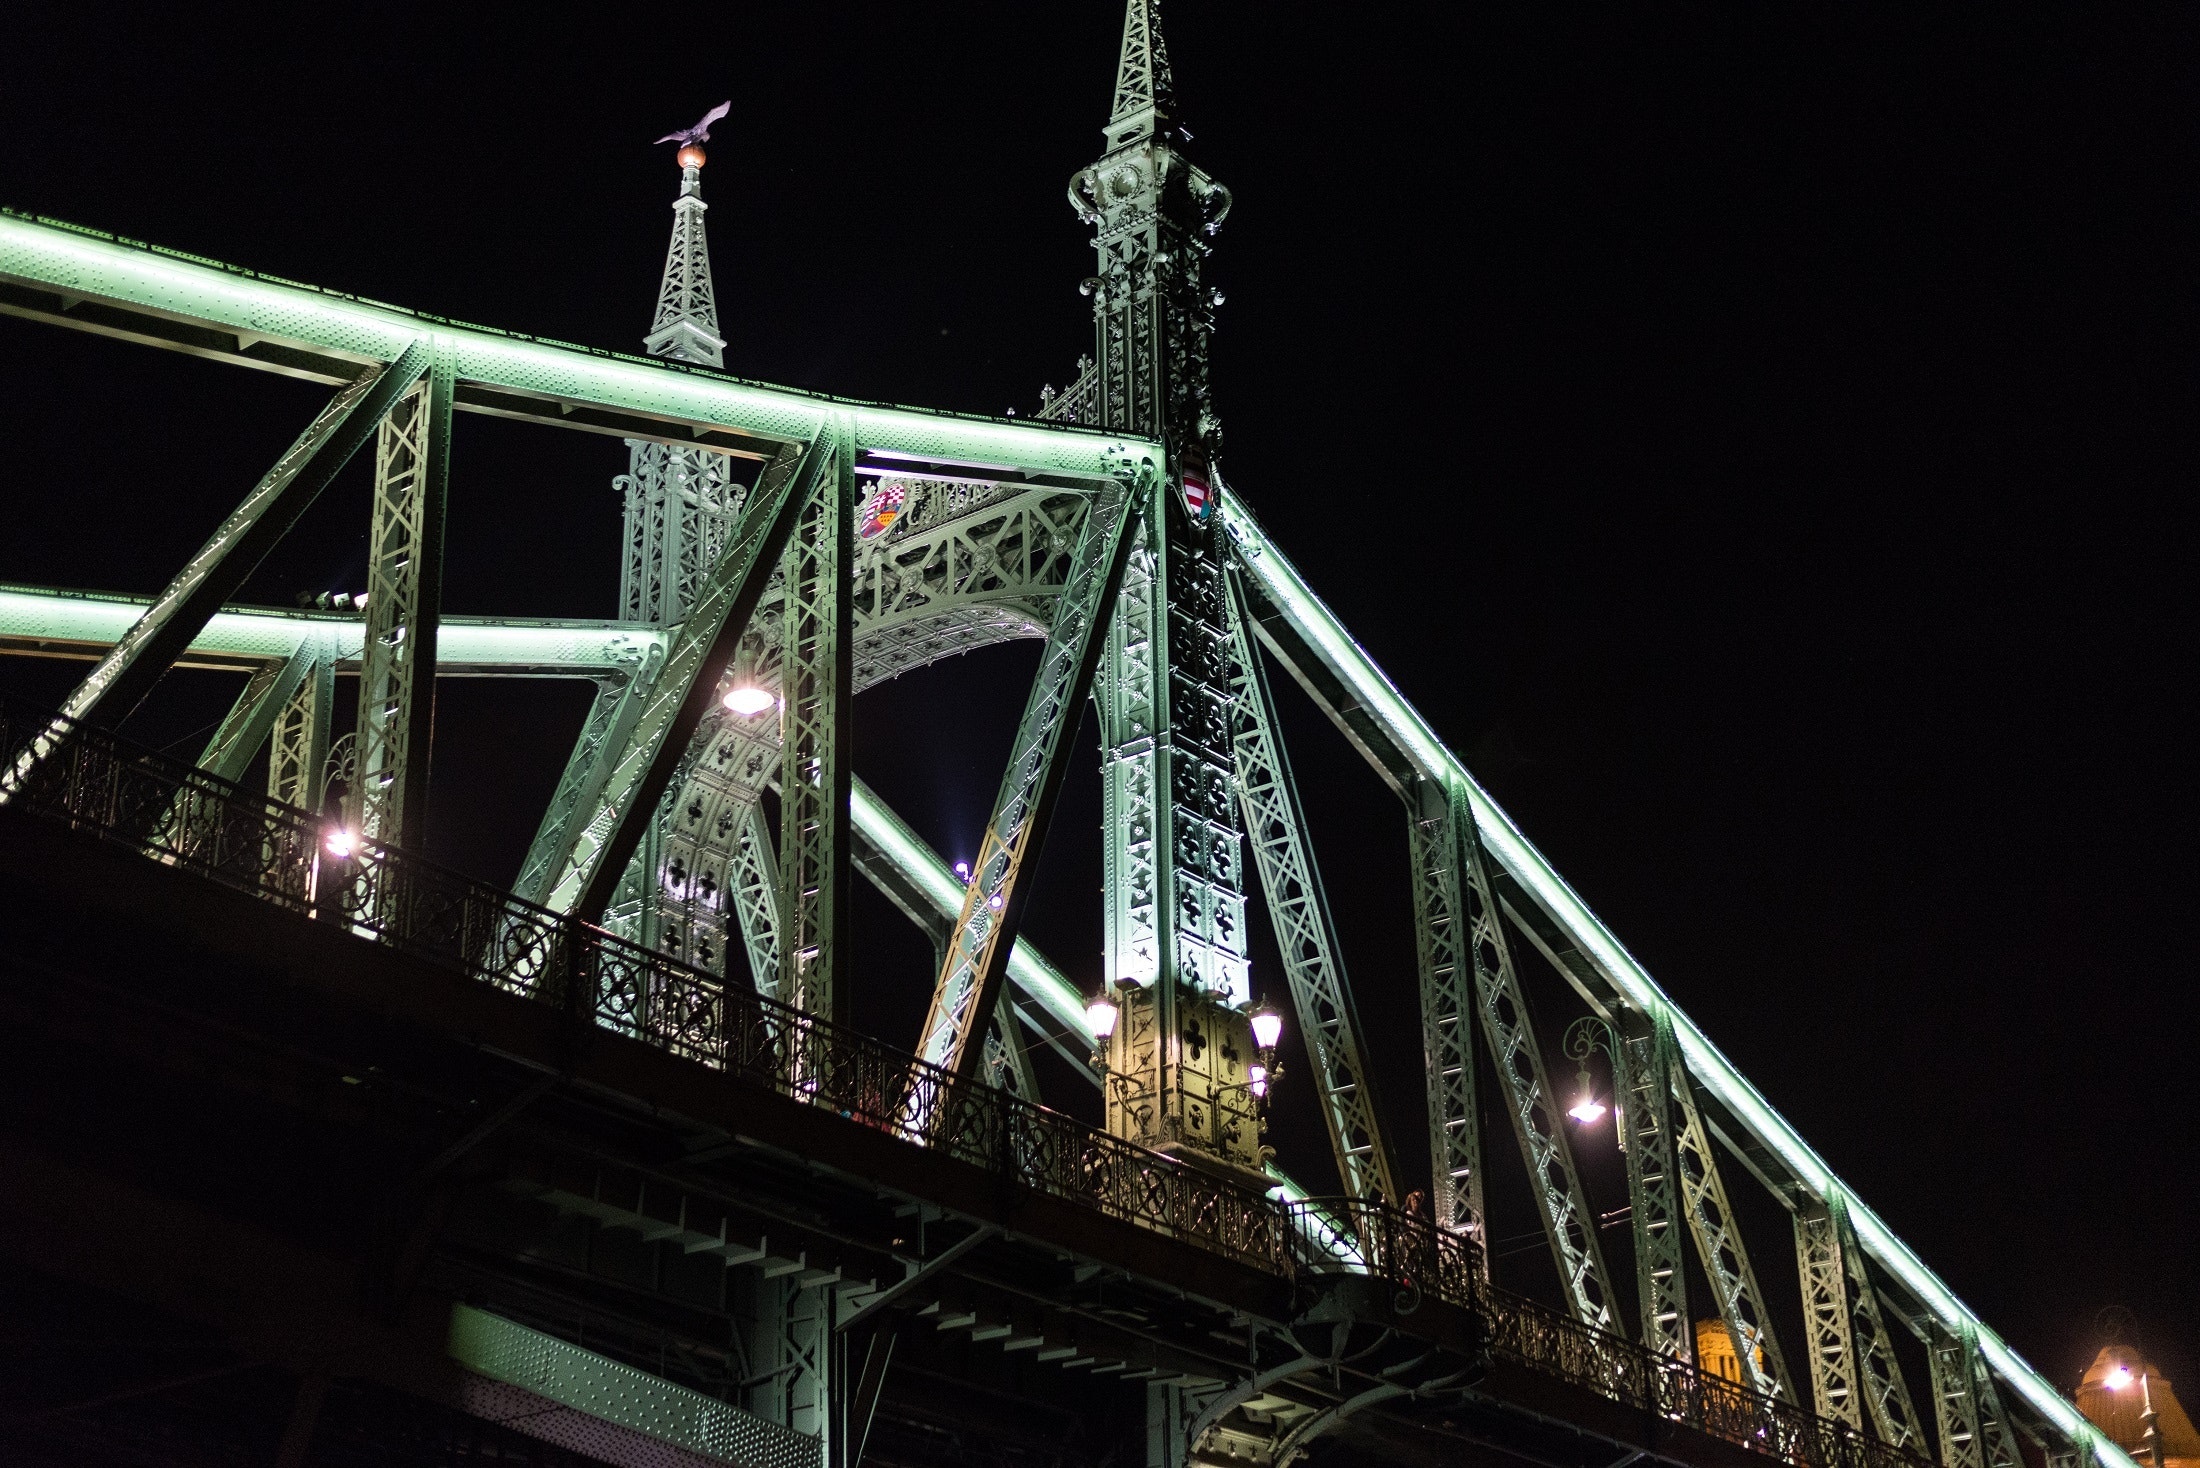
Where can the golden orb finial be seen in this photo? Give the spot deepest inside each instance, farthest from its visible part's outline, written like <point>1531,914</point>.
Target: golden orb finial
<point>692,156</point>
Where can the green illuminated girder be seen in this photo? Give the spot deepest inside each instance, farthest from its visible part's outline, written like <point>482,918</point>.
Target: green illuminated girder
<point>127,671</point>
<point>604,735</point>
<point>753,878</point>
<point>816,671</point>
<point>976,961</point>
<point>90,281</point>
<point>1442,931</point>
<point>1645,1085</point>
<point>1953,1359</point>
<point>252,718</point>
<point>595,850</point>
<point>1826,1315</point>
<point>687,1421</point>
<point>1275,826</point>
<point>297,750</point>
<point>1888,1396</point>
<point>1308,638</point>
<point>1724,1256</point>
<point>388,798</point>
<point>1529,1100</point>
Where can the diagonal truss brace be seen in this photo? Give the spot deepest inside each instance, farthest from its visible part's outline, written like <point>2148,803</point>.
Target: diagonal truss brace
<point>977,957</point>
<point>122,677</point>
<point>1442,931</point>
<point>1646,1122</point>
<point>1518,1060</point>
<point>1725,1259</point>
<point>594,853</point>
<point>1831,1339</point>
<point>1312,962</point>
<point>252,717</point>
<point>1885,1392</point>
<point>297,747</point>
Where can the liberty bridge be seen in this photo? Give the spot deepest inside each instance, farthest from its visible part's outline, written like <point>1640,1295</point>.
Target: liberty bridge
<point>596,1167</point>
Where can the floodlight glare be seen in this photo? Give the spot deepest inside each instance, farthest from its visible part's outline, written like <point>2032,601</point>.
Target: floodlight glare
<point>1586,1110</point>
<point>342,843</point>
<point>2119,1376</point>
<point>748,701</point>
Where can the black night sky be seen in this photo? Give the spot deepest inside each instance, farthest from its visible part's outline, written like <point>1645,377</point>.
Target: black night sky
<point>1758,438</point>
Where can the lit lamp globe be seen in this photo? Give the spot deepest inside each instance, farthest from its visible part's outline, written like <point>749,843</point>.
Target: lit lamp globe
<point>692,156</point>
<point>1101,1013</point>
<point>1267,1026</point>
<point>749,700</point>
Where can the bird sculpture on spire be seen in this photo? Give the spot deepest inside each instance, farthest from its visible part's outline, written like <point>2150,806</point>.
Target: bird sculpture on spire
<point>700,133</point>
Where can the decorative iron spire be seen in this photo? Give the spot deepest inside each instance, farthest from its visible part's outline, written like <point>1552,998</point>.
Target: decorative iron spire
<point>1145,96</point>
<point>686,328</point>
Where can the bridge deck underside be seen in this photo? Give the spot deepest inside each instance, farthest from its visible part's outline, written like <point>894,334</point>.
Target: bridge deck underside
<point>216,1070</point>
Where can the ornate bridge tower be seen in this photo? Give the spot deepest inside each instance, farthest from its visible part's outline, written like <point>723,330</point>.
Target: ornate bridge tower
<point>1176,938</point>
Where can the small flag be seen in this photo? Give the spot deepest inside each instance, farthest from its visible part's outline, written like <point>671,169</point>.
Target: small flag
<point>881,510</point>
<point>1197,497</point>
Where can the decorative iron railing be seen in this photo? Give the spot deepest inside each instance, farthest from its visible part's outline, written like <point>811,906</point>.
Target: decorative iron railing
<point>108,789</point>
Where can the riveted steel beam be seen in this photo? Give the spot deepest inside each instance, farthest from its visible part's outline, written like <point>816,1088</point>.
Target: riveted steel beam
<point>1826,1315</point>
<point>596,849</point>
<point>252,717</point>
<point>1646,1114</point>
<point>126,672</point>
<point>1442,930</point>
<point>816,694</point>
<point>1724,1256</point>
<point>389,793</point>
<point>1312,962</point>
<point>969,987</point>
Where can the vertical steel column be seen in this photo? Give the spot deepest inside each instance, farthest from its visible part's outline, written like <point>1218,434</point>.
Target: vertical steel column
<point>1646,1114</point>
<point>1885,1391</point>
<point>1312,962</point>
<point>1725,1258</point>
<point>1953,1357</point>
<point>297,752</point>
<point>389,799</point>
<point>816,666</point>
<point>1518,1060</point>
<point>1826,1315</point>
<point>1442,930</point>
<point>786,1332</point>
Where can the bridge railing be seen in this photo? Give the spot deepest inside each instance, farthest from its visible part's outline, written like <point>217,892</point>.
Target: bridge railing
<point>174,813</point>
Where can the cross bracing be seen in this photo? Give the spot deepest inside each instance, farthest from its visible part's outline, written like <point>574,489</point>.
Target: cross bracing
<point>782,586</point>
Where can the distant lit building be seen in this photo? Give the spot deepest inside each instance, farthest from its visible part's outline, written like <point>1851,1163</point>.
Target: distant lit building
<point>2116,1411</point>
<point>1716,1355</point>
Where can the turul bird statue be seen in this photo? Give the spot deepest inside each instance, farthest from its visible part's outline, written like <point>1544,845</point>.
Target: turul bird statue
<point>700,133</point>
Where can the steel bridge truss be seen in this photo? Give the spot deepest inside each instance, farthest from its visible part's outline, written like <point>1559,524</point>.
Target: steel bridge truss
<point>1010,529</point>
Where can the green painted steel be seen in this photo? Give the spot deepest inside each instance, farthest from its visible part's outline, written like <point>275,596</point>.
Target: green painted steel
<point>55,622</point>
<point>969,986</point>
<point>596,852</point>
<point>1313,961</point>
<point>1395,736</point>
<point>503,1350</point>
<point>82,278</point>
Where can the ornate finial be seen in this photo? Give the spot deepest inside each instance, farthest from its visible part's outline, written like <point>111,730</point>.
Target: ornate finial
<point>692,156</point>
<point>1145,95</point>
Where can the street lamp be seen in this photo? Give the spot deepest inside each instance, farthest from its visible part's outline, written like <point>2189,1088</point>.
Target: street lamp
<point>1582,1036</point>
<point>748,700</point>
<point>1101,1013</point>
